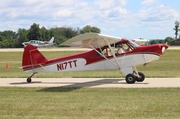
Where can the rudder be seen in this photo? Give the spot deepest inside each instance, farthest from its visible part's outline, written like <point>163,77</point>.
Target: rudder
<point>51,40</point>
<point>32,57</point>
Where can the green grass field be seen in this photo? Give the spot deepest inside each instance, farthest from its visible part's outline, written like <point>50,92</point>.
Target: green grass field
<point>90,103</point>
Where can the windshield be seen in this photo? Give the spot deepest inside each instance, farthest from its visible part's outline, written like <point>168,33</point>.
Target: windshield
<point>133,44</point>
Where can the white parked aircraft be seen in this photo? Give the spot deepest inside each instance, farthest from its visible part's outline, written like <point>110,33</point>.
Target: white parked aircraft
<point>38,43</point>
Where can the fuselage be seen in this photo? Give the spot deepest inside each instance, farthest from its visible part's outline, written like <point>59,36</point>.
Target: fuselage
<point>37,43</point>
<point>92,60</point>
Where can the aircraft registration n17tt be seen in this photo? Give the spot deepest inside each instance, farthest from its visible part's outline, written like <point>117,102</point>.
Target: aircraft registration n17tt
<point>102,56</point>
<point>38,43</point>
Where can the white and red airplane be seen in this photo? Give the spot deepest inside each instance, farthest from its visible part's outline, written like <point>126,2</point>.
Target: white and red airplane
<point>102,56</point>
<point>38,43</point>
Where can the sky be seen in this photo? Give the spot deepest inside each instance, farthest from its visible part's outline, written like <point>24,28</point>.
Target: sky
<point>149,19</point>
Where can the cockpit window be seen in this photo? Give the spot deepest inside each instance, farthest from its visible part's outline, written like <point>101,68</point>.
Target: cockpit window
<point>121,47</point>
<point>133,44</point>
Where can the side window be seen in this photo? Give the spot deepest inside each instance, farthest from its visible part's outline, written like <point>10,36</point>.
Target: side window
<point>123,48</point>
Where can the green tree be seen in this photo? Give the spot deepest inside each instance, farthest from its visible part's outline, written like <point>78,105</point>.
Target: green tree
<point>2,38</point>
<point>58,35</point>
<point>168,40</point>
<point>176,28</point>
<point>21,37</point>
<point>10,39</point>
<point>34,32</point>
<point>88,29</point>
<point>7,38</point>
<point>62,34</point>
<point>7,43</point>
<point>156,41</point>
<point>95,30</point>
<point>45,34</point>
<point>70,32</point>
<point>8,34</point>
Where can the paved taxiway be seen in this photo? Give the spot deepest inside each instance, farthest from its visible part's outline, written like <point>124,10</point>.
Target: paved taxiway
<point>90,82</point>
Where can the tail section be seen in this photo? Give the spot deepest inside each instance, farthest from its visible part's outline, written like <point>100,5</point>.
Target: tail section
<point>52,40</point>
<point>32,58</point>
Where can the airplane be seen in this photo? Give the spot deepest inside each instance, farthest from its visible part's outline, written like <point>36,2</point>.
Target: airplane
<point>101,56</point>
<point>38,43</point>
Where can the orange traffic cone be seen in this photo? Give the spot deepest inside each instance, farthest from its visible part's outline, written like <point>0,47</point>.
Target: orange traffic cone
<point>7,65</point>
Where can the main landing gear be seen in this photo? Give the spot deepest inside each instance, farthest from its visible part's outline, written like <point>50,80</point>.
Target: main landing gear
<point>29,78</point>
<point>132,78</point>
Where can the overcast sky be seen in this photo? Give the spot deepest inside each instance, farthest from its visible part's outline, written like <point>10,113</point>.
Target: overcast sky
<point>150,19</point>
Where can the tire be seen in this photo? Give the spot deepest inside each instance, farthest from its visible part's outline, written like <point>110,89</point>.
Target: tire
<point>141,77</point>
<point>130,79</point>
<point>29,80</point>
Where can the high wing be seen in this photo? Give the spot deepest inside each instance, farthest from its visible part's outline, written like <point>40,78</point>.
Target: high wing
<point>89,40</point>
<point>141,41</point>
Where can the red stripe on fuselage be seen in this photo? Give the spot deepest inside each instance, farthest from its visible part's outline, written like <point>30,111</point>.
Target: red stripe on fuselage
<point>93,57</point>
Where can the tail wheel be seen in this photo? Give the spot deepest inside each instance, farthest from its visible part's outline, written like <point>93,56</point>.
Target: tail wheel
<point>141,77</point>
<point>130,79</point>
<point>29,80</point>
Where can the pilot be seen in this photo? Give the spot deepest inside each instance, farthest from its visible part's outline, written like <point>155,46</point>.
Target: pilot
<point>121,49</point>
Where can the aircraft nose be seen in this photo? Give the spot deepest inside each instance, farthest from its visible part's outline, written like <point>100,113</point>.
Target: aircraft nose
<point>164,47</point>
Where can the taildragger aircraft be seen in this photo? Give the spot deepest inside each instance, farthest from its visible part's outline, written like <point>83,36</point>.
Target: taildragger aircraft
<point>102,56</point>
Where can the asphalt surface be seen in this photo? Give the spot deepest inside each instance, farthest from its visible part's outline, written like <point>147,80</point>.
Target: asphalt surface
<point>90,82</point>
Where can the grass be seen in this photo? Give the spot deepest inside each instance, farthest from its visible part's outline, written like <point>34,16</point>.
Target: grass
<point>89,103</point>
<point>167,66</point>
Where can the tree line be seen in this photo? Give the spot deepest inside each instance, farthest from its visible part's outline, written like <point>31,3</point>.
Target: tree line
<point>168,39</point>
<point>11,39</point>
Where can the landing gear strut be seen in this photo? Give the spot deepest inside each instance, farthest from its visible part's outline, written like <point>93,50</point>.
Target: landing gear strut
<point>29,78</point>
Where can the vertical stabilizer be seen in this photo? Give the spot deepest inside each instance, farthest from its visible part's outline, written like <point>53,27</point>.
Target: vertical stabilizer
<point>52,40</point>
<point>32,57</point>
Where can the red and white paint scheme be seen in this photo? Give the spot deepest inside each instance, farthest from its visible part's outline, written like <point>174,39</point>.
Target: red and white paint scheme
<point>38,43</point>
<point>102,56</point>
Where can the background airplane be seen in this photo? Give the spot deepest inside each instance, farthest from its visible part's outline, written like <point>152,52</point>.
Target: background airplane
<point>38,43</point>
<point>103,56</point>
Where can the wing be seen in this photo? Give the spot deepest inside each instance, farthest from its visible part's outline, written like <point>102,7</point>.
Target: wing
<point>141,41</point>
<point>89,40</point>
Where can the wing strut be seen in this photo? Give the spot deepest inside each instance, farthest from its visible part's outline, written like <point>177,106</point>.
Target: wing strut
<point>118,66</point>
<point>113,54</point>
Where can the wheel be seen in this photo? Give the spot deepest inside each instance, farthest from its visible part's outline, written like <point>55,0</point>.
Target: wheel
<point>141,77</point>
<point>29,80</point>
<point>130,79</point>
